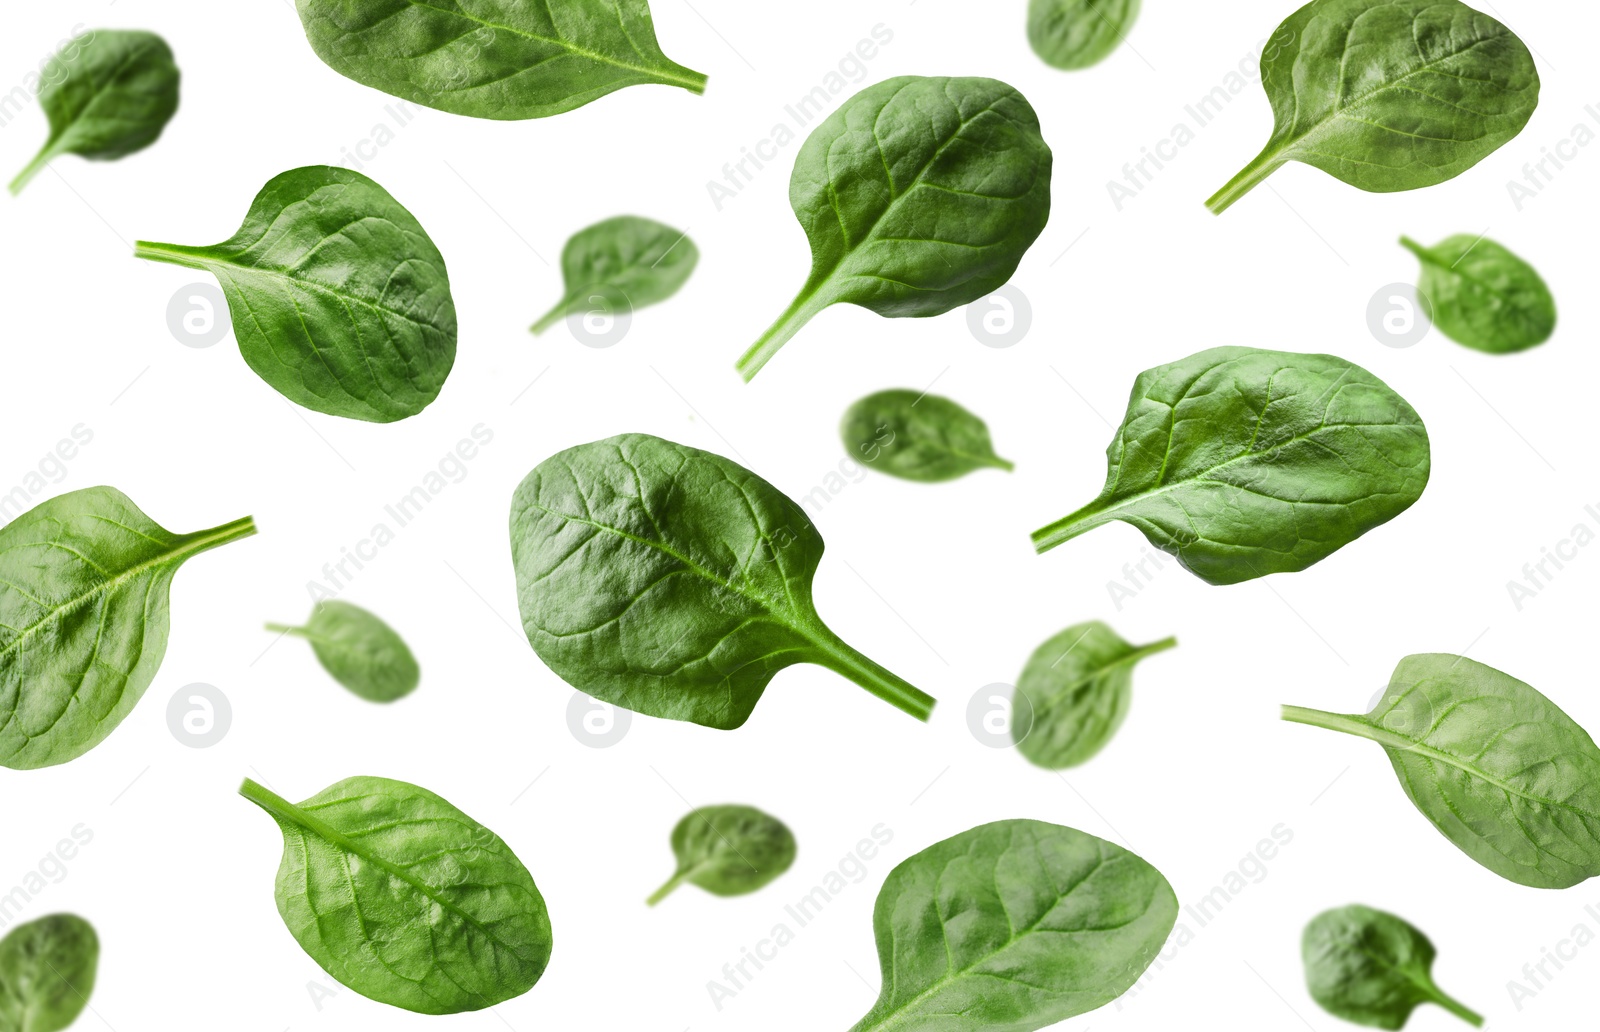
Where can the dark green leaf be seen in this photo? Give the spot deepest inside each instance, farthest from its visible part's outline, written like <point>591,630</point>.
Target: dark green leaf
<point>1498,768</point>
<point>728,851</point>
<point>508,59</point>
<point>361,651</point>
<point>918,436</point>
<point>1483,296</point>
<point>1074,34</point>
<point>1372,968</point>
<point>107,94</point>
<point>339,299</point>
<point>1243,462</point>
<point>1013,926</point>
<point>1389,95</point>
<point>405,899</point>
<point>1078,686</point>
<point>919,195</point>
<point>83,619</point>
<point>47,972</point>
<point>673,582</point>
<point>624,264</point>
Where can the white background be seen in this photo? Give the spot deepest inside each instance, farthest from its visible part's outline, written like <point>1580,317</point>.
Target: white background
<point>937,582</point>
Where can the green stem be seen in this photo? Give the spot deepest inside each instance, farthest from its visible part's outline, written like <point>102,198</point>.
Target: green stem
<point>1265,163</point>
<point>173,254</point>
<point>666,890</point>
<point>1145,651</point>
<point>208,539</point>
<point>998,463</point>
<point>1416,249</point>
<point>39,161</point>
<point>838,656</point>
<point>1348,725</point>
<point>688,78</point>
<point>278,628</point>
<point>1457,1008</point>
<point>1069,526</point>
<point>553,316</point>
<point>806,305</point>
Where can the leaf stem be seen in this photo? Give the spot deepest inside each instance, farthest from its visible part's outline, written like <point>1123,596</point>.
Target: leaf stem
<point>805,305</point>
<point>1252,175</point>
<point>553,316</point>
<point>838,656</point>
<point>1416,249</point>
<point>208,539</point>
<point>1457,1008</point>
<point>39,161</point>
<point>1069,526</point>
<point>172,254</point>
<point>666,890</point>
<point>278,628</point>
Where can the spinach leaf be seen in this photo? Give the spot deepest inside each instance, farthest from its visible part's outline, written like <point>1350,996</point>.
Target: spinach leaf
<point>509,59</point>
<point>918,436</point>
<point>626,263</point>
<point>1013,926</point>
<point>404,898</point>
<point>1243,462</point>
<point>1372,968</point>
<point>1389,95</point>
<point>1498,768</point>
<point>1484,296</point>
<point>1078,685</point>
<point>361,651</point>
<point>83,618</point>
<point>339,299</point>
<point>107,94</point>
<point>919,195</point>
<point>728,851</point>
<point>1073,34</point>
<point>47,972</point>
<point>674,582</point>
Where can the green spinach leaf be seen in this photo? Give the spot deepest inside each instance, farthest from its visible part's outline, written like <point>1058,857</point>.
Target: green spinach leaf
<point>509,59</point>
<point>1078,685</point>
<point>1389,95</point>
<point>107,94</point>
<point>361,651</point>
<point>1073,34</point>
<point>728,851</point>
<point>918,436</point>
<point>339,299</point>
<point>624,264</point>
<point>1243,462</point>
<point>919,195</point>
<point>1484,296</point>
<point>1013,926</point>
<point>1498,768</point>
<point>673,582</point>
<point>405,899</point>
<point>1372,968</point>
<point>47,972</point>
<point>83,618</point>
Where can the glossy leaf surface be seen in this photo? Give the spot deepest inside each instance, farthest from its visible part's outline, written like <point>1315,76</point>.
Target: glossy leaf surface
<point>1372,968</point>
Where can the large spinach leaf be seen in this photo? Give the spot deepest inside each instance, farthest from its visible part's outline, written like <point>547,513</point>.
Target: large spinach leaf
<point>1389,95</point>
<point>919,195</point>
<point>339,299</point>
<point>1372,968</point>
<point>1073,34</point>
<point>1484,296</point>
<point>83,618</point>
<point>918,436</point>
<point>671,581</point>
<point>361,651</point>
<point>107,94</point>
<point>47,973</point>
<point>1013,926</point>
<point>1243,462</point>
<point>621,264</point>
<point>1078,686</point>
<point>505,59</point>
<point>1498,768</point>
<point>728,851</point>
<point>405,899</point>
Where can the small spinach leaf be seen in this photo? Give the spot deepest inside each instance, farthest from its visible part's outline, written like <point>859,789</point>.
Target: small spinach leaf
<point>361,651</point>
<point>83,618</point>
<point>510,59</point>
<point>107,94</point>
<point>1243,462</point>
<point>339,299</point>
<point>1073,34</point>
<point>405,899</point>
<point>1484,296</point>
<point>728,851</point>
<point>623,264</point>
<point>47,973</point>
<point>1078,685</point>
<point>1389,95</point>
<point>918,436</point>
<point>919,195</point>
<point>1372,968</point>
<point>1013,926</point>
<point>671,581</point>
<point>1498,768</point>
